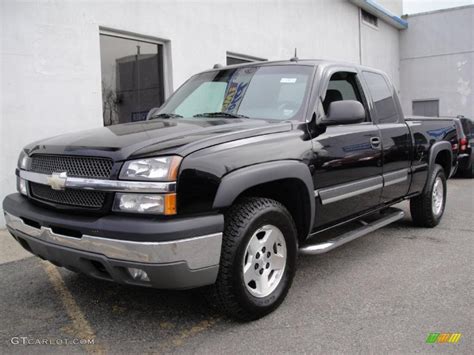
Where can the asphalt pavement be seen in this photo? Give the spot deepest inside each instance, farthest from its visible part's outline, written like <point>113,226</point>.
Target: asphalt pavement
<point>382,293</point>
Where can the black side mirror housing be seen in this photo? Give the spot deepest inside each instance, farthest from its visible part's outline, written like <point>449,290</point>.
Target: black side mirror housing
<point>344,112</point>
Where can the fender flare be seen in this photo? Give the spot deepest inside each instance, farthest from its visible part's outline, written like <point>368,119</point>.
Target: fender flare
<point>236,182</point>
<point>435,150</point>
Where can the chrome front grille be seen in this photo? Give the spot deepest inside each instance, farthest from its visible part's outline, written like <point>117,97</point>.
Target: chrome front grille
<point>83,167</point>
<point>90,167</point>
<point>69,197</point>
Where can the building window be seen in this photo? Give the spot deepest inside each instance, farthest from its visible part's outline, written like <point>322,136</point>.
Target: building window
<point>428,108</point>
<point>234,58</point>
<point>368,18</point>
<point>132,78</point>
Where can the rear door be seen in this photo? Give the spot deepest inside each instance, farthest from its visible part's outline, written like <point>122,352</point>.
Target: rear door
<point>395,135</point>
<point>347,158</point>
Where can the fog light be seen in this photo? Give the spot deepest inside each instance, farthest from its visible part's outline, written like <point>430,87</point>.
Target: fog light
<point>138,274</point>
<point>22,186</point>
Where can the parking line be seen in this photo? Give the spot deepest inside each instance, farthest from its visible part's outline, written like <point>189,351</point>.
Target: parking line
<point>82,328</point>
<point>179,339</point>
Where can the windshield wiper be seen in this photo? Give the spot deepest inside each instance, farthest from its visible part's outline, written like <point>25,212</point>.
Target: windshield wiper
<point>220,114</point>
<point>166,115</point>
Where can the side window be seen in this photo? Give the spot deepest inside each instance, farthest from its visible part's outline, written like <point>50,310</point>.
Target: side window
<point>342,86</point>
<point>382,97</point>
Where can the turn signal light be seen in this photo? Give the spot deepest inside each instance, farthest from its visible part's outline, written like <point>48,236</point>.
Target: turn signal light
<point>170,204</point>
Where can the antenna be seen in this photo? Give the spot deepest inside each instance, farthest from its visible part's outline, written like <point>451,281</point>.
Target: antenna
<point>295,58</point>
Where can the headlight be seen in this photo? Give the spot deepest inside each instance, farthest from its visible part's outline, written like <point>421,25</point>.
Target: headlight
<point>23,160</point>
<point>148,169</point>
<point>154,169</point>
<point>145,203</point>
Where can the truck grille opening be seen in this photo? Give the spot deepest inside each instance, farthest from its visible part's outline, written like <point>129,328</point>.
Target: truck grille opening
<point>78,198</point>
<point>76,166</point>
<point>89,167</point>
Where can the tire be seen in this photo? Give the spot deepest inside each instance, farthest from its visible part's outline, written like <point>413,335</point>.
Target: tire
<point>427,209</point>
<point>248,227</point>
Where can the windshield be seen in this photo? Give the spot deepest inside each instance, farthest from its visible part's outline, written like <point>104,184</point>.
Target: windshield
<point>268,92</point>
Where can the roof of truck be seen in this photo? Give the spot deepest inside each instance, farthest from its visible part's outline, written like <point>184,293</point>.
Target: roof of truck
<point>293,61</point>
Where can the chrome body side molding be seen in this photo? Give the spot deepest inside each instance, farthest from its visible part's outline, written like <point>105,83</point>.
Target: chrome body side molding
<point>395,177</point>
<point>343,191</point>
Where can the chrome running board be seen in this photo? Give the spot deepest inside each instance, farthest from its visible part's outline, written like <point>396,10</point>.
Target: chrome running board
<point>328,245</point>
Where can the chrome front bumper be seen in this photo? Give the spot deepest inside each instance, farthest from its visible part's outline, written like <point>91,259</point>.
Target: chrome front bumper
<point>197,252</point>
<point>182,263</point>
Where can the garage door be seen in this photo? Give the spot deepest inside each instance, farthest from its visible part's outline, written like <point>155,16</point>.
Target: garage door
<point>428,108</point>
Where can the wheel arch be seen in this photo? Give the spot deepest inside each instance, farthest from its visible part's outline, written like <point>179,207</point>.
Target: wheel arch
<point>288,182</point>
<point>441,153</point>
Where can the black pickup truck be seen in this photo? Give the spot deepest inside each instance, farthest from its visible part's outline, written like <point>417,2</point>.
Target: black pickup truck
<point>242,169</point>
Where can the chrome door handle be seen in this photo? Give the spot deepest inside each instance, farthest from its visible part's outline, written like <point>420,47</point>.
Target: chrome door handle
<point>375,142</point>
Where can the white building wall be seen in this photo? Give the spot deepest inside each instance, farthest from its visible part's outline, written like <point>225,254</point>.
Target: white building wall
<point>50,52</point>
<point>381,49</point>
<point>437,60</point>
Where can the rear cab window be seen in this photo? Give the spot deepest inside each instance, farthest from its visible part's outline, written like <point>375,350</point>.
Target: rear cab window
<point>382,97</point>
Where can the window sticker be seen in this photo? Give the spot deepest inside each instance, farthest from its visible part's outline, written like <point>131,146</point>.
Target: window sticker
<point>288,80</point>
<point>236,89</point>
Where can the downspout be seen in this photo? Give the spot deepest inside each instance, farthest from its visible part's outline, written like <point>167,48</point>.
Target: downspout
<point>360,37</point>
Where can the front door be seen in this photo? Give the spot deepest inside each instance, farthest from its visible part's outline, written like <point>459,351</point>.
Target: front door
<point>347,158</point>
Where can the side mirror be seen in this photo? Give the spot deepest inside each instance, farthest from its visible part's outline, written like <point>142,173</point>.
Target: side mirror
<point>344,112</point>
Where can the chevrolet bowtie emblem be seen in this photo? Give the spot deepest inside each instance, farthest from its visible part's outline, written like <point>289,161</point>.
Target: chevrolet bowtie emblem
<point>57,181</point>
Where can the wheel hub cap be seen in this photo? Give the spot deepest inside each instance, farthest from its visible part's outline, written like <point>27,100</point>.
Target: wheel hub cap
<point>437,197</point>
<point>264,261</point>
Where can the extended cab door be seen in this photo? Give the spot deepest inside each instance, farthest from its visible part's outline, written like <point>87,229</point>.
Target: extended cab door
<point>396,138</point>
<point>347,159</point>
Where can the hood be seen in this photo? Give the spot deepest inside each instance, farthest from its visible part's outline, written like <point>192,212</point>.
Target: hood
<point>160,136</point>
